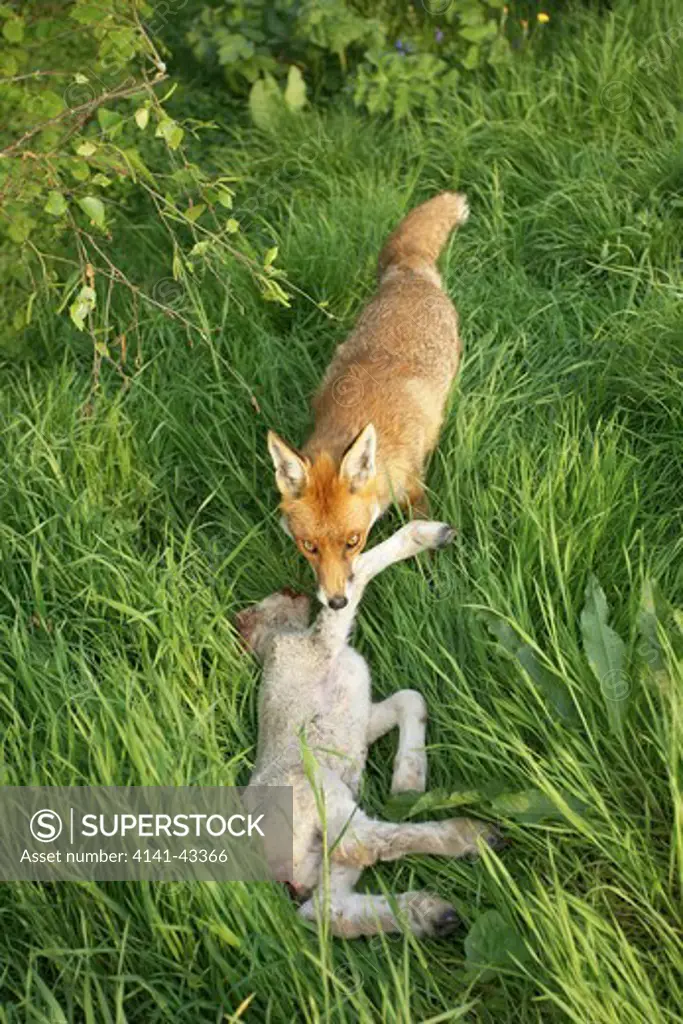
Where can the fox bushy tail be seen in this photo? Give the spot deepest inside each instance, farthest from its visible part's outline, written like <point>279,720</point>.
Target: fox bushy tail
<point>420,237</point>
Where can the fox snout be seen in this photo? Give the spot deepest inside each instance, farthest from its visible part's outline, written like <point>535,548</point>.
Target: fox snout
<point>334,580</point>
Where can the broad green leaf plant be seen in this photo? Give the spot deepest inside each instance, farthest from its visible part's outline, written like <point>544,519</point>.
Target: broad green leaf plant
<point>88,140</point>
<point>390,58</point>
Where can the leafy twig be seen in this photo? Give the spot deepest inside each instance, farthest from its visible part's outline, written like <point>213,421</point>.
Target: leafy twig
<point>86,109</point>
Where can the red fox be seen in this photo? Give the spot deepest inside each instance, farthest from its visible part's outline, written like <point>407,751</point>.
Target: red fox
<point>379,409</point>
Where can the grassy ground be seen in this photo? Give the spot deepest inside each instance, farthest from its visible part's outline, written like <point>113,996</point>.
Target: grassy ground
<point>130,536</point>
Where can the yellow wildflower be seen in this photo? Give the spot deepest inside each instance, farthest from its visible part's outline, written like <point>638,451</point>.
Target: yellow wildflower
<point>543,17</point>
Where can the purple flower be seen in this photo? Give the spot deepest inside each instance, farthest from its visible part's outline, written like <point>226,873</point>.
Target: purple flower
<point>438,35</point>
<point>399,46</point>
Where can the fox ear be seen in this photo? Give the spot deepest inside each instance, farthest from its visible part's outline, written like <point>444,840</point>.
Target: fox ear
<point>358,465</point>
<point>291,469</point>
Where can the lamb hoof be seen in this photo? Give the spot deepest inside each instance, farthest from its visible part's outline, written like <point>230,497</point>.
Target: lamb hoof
<point>446,536</point>
<point>493,839</point>
<point>430,916</point>
<point>497,841</point>
<point>446,923</point>
<point>432,535</point>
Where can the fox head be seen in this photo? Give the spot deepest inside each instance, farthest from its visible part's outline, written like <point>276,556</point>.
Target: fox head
<point>329,509</point>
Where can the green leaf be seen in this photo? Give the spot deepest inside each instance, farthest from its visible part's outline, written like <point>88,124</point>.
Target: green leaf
<point>171,132</point>
<point>551,686</point>
<point>471,12</point>
<point>652,611</point>
<point>193,213</point>
<point>265,103</point>
<point>295,90</point>
<point>606,652</point>
<point>93,208</point>
<point>86,149</point>
<point>82,306</point>
<point>142,118</point>
<point>56,204</point>
<point>20,227</point>
<point>232,226</point>
<point>51,103</point>
<point>553,689</point>
<point>79,170</point>
<point>532,806</point>
<point>102,180</point>
<point>200,248</point>
<point>68,289</point>
<point>271,291</point>
<point>478,33</point>
<point>136,165</point>
<point>471,58</point>
<point>401,806</point>
<point>13,30</point>
<point>492,944</point>
<point>656,614</point>
<point>86,14</point>
<point>225,198</point>
<point>234,47</point>
<point>502,630</point>
<point>650,647</point>
<point>109,121</point>
<point>270,256</point>
<point>8,64</point>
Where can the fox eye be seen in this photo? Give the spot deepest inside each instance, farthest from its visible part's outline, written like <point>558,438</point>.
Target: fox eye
<point>309,546</point>
<point>353,540</point>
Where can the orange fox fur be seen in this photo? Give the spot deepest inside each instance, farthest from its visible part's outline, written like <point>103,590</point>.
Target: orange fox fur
<point>379,409</point>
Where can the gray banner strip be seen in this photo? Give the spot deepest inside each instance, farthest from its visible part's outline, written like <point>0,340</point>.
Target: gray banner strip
<point>151,833</point>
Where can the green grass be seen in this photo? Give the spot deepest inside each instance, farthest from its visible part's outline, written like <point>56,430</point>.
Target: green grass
<point>129,537</point>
